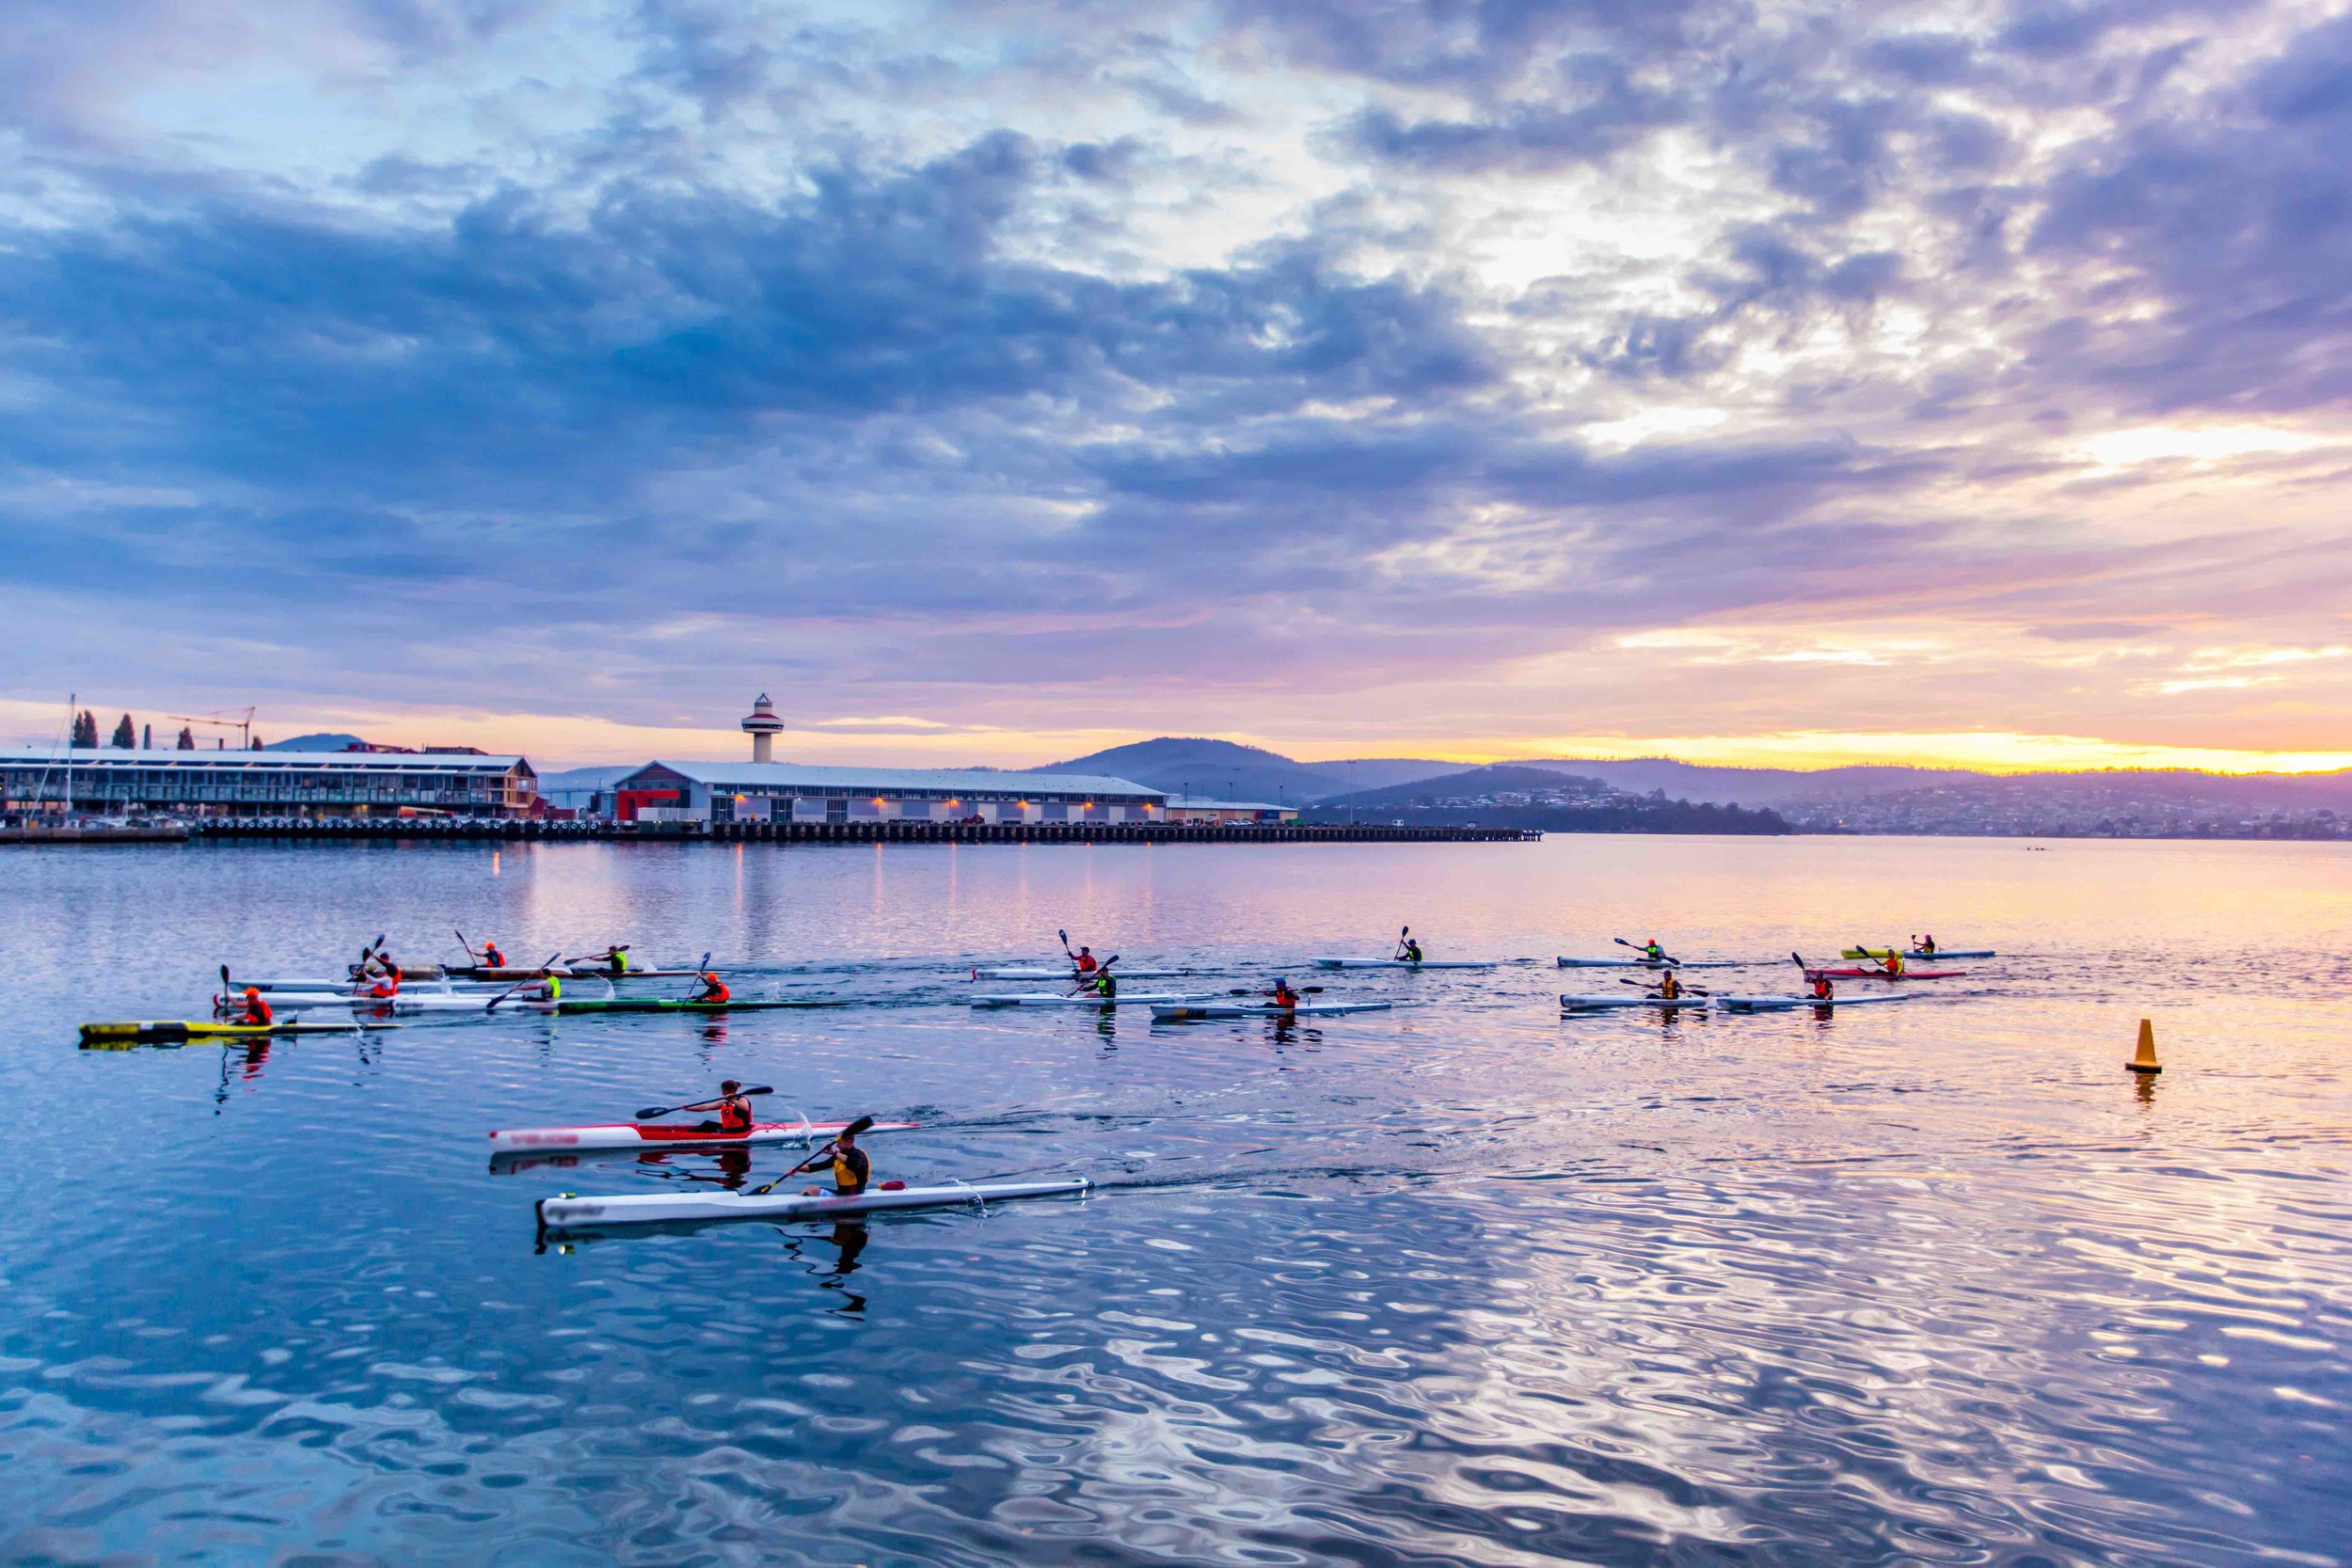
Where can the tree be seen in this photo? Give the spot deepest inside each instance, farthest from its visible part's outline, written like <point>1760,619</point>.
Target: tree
<point>188,738</point>
<point>85,729</point>
<point>257,743</point>
<point>126,736</point>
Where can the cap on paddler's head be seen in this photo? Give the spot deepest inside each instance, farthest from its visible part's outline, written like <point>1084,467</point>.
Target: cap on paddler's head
<point>253,990</point>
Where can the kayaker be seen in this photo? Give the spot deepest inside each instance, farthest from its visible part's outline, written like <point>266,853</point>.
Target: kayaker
<point>1409,950</point>
<point>1823,988</point>
<point>1892,966</point>
<point>1654,953</point>
<point>714,989</point>
<point>1087,963</point>
<point>1105,984</point>
<point>613,960</point>
<point>735,1111</point>
<point>386,984</point>
<point>1925,945</point>
<point>1283,996</point>
<point>552,988</point>
<point>491,956</point>
<point>256,1011</point>
<point>850,1167</point>
<point>1669,986</point>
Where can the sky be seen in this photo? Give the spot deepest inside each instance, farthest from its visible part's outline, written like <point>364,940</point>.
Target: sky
<point>990,383</point>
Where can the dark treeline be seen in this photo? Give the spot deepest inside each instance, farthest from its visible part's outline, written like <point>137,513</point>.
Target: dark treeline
<point>1629,817</point>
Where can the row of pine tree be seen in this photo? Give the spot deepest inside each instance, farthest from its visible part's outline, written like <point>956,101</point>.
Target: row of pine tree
<point>128,736</point>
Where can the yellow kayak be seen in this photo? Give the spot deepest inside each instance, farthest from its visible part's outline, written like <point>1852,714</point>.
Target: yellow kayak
<point>179,1031</point>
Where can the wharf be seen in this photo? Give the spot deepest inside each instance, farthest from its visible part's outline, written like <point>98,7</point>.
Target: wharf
<point>90,832</point>
<point>847,832</point>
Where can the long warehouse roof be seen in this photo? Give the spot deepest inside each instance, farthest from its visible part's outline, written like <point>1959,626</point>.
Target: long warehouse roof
<point>787,775</point>
<point>362,762</point>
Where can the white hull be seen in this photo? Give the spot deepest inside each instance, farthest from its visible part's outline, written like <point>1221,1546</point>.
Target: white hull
<point>567,1212</point>
<point>1047,998</point>
<point>1173,1012</point>
<point>1406,964</point>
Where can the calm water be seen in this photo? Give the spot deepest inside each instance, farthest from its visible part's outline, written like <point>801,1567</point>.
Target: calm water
<point>1463,1282</point>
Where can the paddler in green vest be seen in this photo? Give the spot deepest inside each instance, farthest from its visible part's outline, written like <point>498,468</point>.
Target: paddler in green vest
<point>552,988</point>
<point>1106,985</point>
<point>1409,950</point>
<point>614,959</point>
<point>1654,953</point>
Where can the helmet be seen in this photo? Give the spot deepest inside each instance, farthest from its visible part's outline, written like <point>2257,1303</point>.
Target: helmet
<point>252,992</point>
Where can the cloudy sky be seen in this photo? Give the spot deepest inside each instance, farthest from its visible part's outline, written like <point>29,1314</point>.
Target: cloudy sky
<point>993,382</point>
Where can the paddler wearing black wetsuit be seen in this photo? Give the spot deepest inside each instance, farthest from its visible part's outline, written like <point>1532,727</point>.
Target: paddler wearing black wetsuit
<point>614,959</point>
<point>851,1169</point>
<point>1408,951</point>
<point>1105,984</point>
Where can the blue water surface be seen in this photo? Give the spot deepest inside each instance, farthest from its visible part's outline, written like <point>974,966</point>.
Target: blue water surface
<point>1461,1282</point>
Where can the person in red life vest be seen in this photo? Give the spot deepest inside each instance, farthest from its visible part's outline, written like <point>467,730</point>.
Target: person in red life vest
<point>1823,989</point>
<point>1283,996</point>
<point>386,984</point>
<point>714,989</point>
<point>491,956</point>
<point>735,1109</point>
<point>256,1011</point>
<point>1086,962</point>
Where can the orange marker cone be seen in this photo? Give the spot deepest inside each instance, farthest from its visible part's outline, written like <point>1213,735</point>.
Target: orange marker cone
<point>2144,1059</point>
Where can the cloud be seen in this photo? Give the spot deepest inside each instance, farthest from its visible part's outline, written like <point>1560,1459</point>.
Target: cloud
<point>990,359</point>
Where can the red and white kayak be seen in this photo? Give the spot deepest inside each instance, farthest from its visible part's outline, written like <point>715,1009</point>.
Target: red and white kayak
<point>654,1134</point>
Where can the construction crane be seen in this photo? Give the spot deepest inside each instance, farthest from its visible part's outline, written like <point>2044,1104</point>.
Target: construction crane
<point>243,726</point>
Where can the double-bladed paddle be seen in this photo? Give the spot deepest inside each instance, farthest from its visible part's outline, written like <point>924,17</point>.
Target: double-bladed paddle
<point>819,1156</point>
<point>520,984</point>
<point>1687,990</point>
<point>652,1110</point>
<point>1245,991</point>
<point>1663,957</point>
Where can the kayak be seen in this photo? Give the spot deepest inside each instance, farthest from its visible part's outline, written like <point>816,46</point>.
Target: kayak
<point>410,986</point>
<point>407,1002</point>
<point>649,1135</point>
<point>598,972</point>
<point>169,1030</point>
<point>1651,963</point>
<point>1071,974</point>
<point>1914,953</point>
<point>1784,1004</point>
<point>1404,963</point>
<point>1047,998</point>
<point>1172,1011</point>
<point>1855,971</point>
<point>569,1213</point>
<point>680,1004</point>
<point>1573,1003</point>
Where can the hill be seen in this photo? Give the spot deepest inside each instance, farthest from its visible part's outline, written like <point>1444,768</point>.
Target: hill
<point>1519,795</point>
<point>1197,766</point>
<point>325,740</point>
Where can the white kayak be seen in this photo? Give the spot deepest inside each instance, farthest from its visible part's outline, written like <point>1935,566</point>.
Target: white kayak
<point>1067,975</point>
<point>1171,1012</point>
<point>643,1135</point>
<point>409,987</point>
<point>1915,956</point>
<point>1052,999</point>
<point>568,1212</point>
<point>1650,964</point>
<point>1404,963</point>
<point>1789,1004</point>
<point>1595,1003</point>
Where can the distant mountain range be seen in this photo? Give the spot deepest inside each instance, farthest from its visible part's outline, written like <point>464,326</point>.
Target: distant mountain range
<point>1226,770</point>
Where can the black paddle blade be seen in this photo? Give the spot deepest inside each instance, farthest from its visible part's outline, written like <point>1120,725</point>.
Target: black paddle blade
<point>856,1127</point>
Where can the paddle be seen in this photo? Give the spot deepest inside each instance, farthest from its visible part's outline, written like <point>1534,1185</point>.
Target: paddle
<point>1687,990</point>
<point>1666,959</point>
<point>1400,935</point>
<point>471,955</point>
<point>1884,967</point>
<point>1245,991</point>
<point>700,970</point>
<point>1080,982</point>
<point>520,983</point>
<point>819,1156</point>
<point>652,1110</point>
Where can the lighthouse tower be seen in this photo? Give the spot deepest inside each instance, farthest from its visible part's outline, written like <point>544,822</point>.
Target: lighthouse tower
<point>763,726</point>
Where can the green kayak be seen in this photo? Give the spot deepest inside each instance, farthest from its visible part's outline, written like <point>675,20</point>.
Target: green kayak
<point>673,1004</point>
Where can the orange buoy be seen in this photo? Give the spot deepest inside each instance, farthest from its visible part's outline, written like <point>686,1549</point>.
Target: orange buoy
<point>2144,1059</point>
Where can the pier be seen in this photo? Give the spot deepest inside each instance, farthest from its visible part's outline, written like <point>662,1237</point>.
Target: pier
<point>538,830</point>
